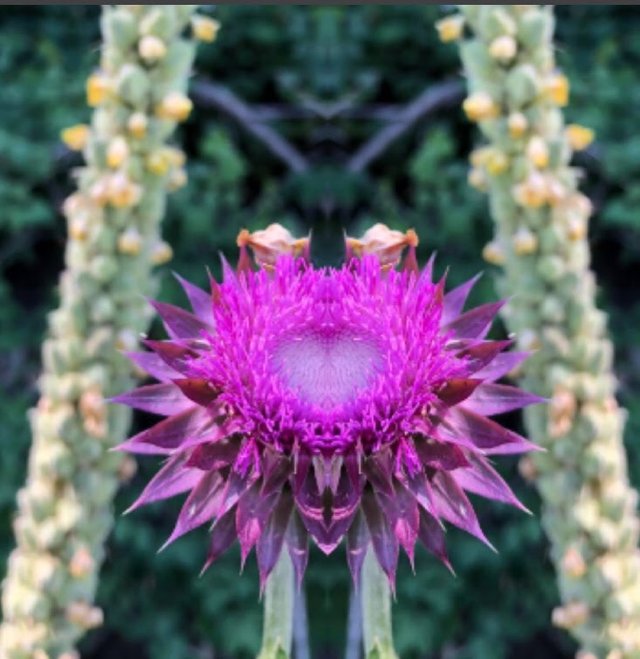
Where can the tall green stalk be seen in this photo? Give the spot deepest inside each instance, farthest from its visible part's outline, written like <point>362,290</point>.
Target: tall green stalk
<point>65,508</point>
<point>279,600</point>
<point>589,508</point>
<point>377,630</point>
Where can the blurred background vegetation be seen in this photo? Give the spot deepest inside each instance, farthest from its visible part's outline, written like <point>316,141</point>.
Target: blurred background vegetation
<point>328,77</point>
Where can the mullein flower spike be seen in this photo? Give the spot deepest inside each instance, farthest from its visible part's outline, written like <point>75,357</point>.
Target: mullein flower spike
<point>541,242</point>
<point>327,403</point>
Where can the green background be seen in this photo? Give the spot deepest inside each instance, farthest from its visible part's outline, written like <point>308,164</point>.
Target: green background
<point>292,57</point>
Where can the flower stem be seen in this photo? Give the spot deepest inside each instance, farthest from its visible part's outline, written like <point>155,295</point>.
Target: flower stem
<point>376,611</point>
<point>278,611</point>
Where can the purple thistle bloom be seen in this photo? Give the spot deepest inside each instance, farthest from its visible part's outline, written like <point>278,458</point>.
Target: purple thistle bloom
<point>331,403</point>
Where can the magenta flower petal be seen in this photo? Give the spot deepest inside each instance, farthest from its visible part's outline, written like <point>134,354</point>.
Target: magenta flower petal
<point>337,404</point>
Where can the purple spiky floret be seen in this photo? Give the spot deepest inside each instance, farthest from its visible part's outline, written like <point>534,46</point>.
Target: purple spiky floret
<point>327,403</point>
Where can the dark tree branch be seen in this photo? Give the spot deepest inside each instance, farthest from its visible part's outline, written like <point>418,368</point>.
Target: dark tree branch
<point>398,119</point>
<point>210,94</point>
<point>438,97</point>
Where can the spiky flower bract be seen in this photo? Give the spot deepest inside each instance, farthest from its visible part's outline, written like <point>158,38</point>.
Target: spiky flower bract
<point>328,403</point>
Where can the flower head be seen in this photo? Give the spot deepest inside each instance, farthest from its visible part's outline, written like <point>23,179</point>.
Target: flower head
<point>331,403</point>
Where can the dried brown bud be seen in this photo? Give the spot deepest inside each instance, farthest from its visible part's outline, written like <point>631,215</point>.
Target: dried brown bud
<point>385,243</point>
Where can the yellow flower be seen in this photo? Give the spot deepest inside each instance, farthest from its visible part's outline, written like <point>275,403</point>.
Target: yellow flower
<point>538,152</point>
<point>503,48</point>
<point>205,28</point>
<point>579,137</point>
<point>493,253</point>
<point>130,242</point>
<point>174,106</point>
<point>524,242</point>
<point>98,89</point>
<point>76,137</point>
<point>480,106</point>
<point>556,89</point>
<point>117,152</point>
<point>151,48</point>
<point>517,124</point>
<point>137,125</point>
<point>450,28</point>
<point>161,253</point>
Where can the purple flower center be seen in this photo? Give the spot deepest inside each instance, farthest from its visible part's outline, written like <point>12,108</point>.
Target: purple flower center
<point>326,365</point>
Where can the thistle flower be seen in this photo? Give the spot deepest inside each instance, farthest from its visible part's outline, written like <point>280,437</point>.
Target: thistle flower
<point>330,403</point>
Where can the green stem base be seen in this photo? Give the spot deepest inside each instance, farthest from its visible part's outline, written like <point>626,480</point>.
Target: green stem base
<point>376,611</point>
<point>279,601</point>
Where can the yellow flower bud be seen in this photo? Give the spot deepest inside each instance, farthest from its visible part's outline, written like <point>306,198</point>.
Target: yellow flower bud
<point>450,28</point>
<point>151,49</point>
<point>175,156</point>
<point>205,28</point>
<point>84,615</point>
<point>122,192</point>
<point>570,615</point>
<point>532,192</point>
<point>538,152</point>
<point>480,107</point>
<point>517,124</point>
<point>503,48</point>
<point>497,162</point>
<point>556,89</point>
<point>81,564</point>
<point>100,191</point>
<point>527,469</point>
<point>98,89</point>
<point>76,137</point>
<point>524,242</point>
<point>579,137</point>
<point>78,228</point>
<point>576,228</point>
<point>137,125</point>
<point>477,179</point>
<point>573,563</point>
<point>174,106</point>
<point>556,191</point>
<point>130,242</point>
<point>126,339</point>
<point>177,179</point>
<point>479,157</point>
<point>127,470</point>
<point>117,152</point>
<point>161,253</point>
<point>493,253</point>
<point>157,162</point>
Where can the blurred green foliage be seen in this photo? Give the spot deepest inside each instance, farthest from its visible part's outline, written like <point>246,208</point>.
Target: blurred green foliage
<point>362,56</point>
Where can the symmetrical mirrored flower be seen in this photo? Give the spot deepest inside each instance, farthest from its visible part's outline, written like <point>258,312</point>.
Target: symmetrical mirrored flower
<point>337,404</point>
